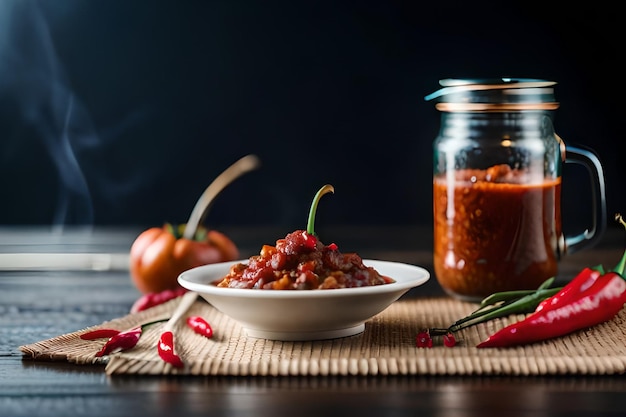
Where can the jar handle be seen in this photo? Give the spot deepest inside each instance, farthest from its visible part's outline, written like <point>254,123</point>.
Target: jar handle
<point>589,237</point>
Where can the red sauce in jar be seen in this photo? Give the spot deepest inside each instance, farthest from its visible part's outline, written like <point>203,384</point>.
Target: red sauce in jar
<point>301,262</point>
<point>494,232</point>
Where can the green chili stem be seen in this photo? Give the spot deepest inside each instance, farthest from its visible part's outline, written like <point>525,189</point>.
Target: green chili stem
<point>171,229</point>
<point>504,296</point>
<point>621,265</point>
<point>523,305</point>
<point>513,295</point>
<point>311,222</point>
<point>144,325</point>
<point>505,303</point>
<point>600,268</point>
<point>546,284</point>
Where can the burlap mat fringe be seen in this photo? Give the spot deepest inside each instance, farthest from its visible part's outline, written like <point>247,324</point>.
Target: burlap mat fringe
<point>386,347</point>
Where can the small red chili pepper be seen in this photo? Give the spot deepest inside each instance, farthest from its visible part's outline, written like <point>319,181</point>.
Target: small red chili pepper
<point>99,334</point>
<point>200,326</point>
<point>118,340</point>
<point>597,304</point>
<point>121,341</point>
<point>153,299</point>
<point>166,350</point>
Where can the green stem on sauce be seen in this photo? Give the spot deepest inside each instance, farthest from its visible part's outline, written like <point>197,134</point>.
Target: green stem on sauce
<point>310,228</point>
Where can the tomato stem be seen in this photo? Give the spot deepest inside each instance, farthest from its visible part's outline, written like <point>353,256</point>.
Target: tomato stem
<point>310,228</point>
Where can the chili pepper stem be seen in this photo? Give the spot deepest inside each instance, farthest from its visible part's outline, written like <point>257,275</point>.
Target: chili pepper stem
<point>503,297</point>
<point>500,305</point>
<point>621,265</point>
<point>524,304</point>
<point>311,220</point>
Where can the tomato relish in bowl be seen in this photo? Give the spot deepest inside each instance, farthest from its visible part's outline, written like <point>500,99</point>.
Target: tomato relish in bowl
<point>300,261</point>
<point>294,268</point>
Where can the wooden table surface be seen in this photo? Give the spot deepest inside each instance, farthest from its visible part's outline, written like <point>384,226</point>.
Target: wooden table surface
<point>47,292</point>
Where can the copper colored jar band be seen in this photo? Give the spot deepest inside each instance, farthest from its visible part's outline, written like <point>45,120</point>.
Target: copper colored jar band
<point>498,107</point>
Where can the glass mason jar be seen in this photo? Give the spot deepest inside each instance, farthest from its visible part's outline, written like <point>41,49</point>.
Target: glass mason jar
<point>497,184</point>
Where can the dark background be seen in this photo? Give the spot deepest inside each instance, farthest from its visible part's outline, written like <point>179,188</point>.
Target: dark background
<point>122,112</point>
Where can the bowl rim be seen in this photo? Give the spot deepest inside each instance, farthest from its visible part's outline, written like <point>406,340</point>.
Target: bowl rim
<point>195,279</point>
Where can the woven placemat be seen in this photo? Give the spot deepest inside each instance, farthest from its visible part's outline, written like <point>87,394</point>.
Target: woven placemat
<point>386,347</point>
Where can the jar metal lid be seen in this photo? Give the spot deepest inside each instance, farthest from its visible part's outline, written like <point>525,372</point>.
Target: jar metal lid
<point>494,94</point>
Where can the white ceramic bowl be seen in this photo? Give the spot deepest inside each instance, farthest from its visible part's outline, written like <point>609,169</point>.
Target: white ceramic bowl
<point>297,315</point>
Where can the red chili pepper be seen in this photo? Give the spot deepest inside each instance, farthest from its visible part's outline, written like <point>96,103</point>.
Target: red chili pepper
<point>572,289</point>
<point>166,350</point>
<point>200,326</point>
<point>118,340</point>
<point>153,299</point>
<point>99,334</point>
<point>121,341</point>
<point>597,304</point>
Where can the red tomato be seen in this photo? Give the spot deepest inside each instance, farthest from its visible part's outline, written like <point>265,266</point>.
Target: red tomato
<point>159,255</point>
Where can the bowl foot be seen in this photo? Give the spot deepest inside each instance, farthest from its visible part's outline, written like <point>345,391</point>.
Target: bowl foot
<point>304,336</point>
